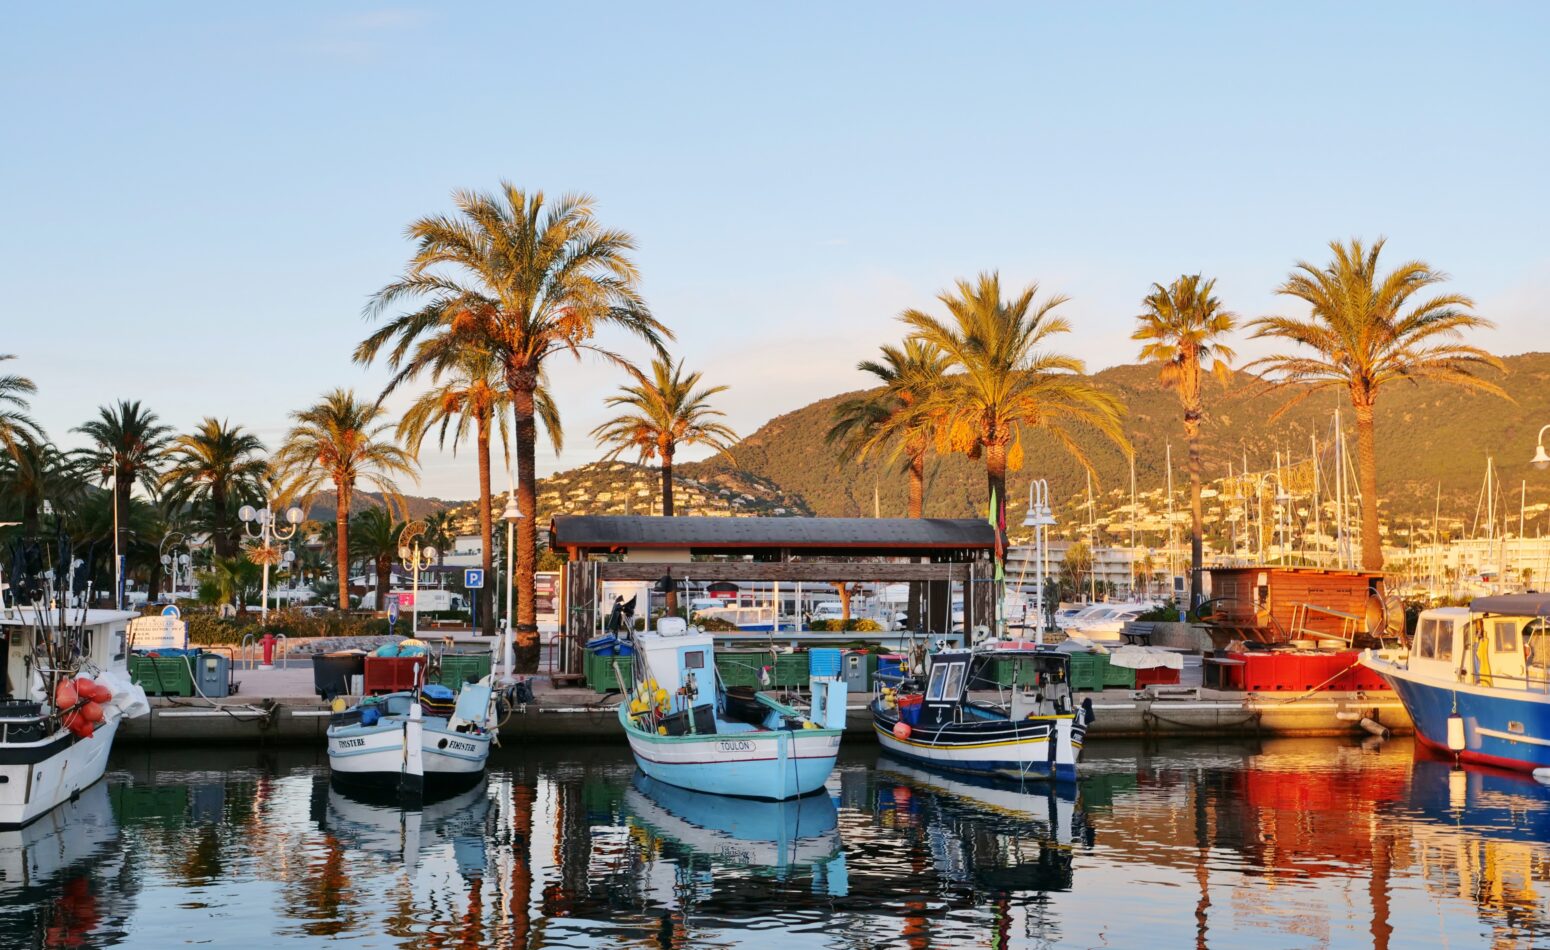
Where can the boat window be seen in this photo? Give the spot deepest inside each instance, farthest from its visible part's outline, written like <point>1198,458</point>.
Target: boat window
<point>954,681</point>
<point>938,677</point>
<point>1506,636</point>
<point>694,660</point>
<point>1426,638</point>
<point>1536,645</point>
<point>1445,630</point>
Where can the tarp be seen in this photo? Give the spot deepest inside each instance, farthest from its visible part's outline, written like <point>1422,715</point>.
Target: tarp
<point>1517,605</point>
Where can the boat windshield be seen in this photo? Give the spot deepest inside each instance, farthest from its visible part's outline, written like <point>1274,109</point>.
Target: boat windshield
<point>1536,649</point>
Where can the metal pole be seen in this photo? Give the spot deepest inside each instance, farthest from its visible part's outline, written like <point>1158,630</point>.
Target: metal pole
<point>118,559</point>
<point>414,565</point>
<point>266,516</point>
<point>507,660</point>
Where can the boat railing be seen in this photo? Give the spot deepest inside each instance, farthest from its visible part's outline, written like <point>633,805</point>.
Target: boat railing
<point>29,728</point>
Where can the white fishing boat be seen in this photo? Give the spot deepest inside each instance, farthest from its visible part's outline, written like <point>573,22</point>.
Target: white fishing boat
<point>414,741</point>
<point>64,689</point>
<point>381,827</point>
<point>686,730</point>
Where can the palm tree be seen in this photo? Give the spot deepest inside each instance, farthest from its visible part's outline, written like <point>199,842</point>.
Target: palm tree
<point>1182,326</point>
<point>127,444</point>
<point>666,412</point>
<point>340,440</point>
<point>529,280</point>
<point>217,466</point>
<point>15,423</point>
<point>470,388</point>
<point>36,471</point>
<point>441,534</point>
<point>1005,382</point>
<point>1366,330</point>
<point>909,374</point>
<point>374,535</point>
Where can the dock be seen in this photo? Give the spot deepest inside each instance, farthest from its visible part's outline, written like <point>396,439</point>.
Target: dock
<point>280,706</point>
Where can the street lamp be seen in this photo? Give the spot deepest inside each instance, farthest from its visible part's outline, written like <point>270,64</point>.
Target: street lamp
<point>1541,459</point>
<point>268,531</point>
<point>511,516</point>
<point>416,558</point>
<point>1039,518</point>
<point>171,560</point>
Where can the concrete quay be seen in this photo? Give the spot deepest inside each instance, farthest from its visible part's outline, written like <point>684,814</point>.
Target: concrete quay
<point>279,706</point>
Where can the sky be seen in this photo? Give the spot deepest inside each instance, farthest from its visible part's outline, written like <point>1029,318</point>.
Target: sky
<point>197,199</point>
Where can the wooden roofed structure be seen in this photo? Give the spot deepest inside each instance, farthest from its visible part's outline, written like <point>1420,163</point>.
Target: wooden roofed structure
<point>1278,603</point>
<point>937,554</point>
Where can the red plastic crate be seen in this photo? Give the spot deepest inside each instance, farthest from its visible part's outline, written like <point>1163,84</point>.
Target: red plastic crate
<point>1157,676</point>
<point>394,674</point>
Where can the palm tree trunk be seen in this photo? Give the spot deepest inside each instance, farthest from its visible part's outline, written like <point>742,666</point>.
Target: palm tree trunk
<point>1196,519</point>
<point>30,517</point>
<point>225,544</point>
<point>342,542</point>
<point>126,484</point>
<point>667,481</point>
<point>1367,463</point>
<point>995,475</point>
<point>523,383</point>
<point>486,529</point>
<point>918,485</point>
<point>384,579</point>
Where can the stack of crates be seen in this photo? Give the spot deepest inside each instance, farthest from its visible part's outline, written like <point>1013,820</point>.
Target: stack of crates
<point>790,670</point>
<point>1087,671</point>
<point>740,668</point>
<point>600,673</point>
<point>164,675</point>
<point>824,661</point>
<point>460,668</point>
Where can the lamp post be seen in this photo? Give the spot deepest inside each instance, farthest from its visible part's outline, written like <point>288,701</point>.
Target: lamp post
<point>1541,459</point>
<point>268,531</point>
<point>415,556</point>
<point>511,515</point>
<point>1039,518</point>
<point>172,560</point>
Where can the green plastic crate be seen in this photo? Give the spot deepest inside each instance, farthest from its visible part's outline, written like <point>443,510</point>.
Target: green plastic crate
<point>458,668</point>
<point>600,672</point>
<point>790,669</point>
<point>163,675</point>
<point>741,668</point>
<point>1087,670</point>
<point>1118,675</point>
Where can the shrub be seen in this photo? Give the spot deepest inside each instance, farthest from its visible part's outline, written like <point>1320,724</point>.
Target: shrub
<point>714,624</point>
<point>864,625</point>
<point>819,625</point>
<point>1166,612</point>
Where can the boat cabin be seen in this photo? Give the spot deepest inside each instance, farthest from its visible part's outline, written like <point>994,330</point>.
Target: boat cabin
<point>683,664</point>
<point>1277,604</point>
<point>101,642</point>
<point>1039,682</point>
<point>1501,641</point>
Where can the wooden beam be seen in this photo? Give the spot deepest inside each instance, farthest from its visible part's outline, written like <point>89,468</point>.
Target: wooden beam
<point>807,571</point>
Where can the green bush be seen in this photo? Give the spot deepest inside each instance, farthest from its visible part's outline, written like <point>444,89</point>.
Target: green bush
<point>714,624</point>
<point>1166,612</point>
<point>864,625</point>
<point>820,626</point>
<point>859,624</point>
<point>206,628</point>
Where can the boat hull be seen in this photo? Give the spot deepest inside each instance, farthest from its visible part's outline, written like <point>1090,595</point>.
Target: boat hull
<point>1046,748</point>
<point>1506,728</point>
<point>374,755</point>
<point>39,777</point>
<point>772,764</point>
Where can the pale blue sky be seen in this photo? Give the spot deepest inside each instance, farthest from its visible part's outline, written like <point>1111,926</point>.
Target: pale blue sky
<point>197,198</point>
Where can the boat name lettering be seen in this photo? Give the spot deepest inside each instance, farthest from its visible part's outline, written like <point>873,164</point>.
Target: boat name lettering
<point>349,743</point>
<point>737,745</point>
<point>462,746</point>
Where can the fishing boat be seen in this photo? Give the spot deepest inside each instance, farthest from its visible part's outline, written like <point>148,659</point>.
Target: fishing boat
<point>1030,729</point>
<point>1476,680</point>
<point>415,741</point>
<point>686,729</point>
<point>64,690</point>
<point>378,825</point>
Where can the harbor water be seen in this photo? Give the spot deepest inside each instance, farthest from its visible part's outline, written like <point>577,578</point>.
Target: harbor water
<point>1283,843</point>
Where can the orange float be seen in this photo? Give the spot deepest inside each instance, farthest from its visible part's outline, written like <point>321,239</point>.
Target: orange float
<point>65,695</point>
<point>92,712</point>
<point>901,730</point>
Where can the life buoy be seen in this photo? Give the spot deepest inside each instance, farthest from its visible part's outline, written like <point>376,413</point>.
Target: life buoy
<point>901,730</point>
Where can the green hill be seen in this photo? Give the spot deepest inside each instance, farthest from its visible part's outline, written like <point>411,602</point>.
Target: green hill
<point>1427,434</point>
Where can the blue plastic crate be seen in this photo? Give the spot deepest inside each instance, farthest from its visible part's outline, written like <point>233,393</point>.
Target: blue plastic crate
<point>890,664</point>
<point>824,661</point>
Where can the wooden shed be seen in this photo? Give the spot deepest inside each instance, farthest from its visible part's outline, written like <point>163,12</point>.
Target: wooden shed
<point>1276,604</point>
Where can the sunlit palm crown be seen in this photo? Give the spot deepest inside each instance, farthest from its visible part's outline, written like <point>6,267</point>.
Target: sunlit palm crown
<point>901,412</point>
<point>526,278</point>
<point>1367,328</point>
<point>130,434</point>
<point>215,459</point>
<point>344,440</point>
<point>1004,381</point>
<point>1182,326</point>
<point>15,424</point>
<point>667,412</point>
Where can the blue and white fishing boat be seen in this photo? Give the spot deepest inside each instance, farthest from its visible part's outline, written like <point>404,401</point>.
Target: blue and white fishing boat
<point>1476,680</point>
<point>684,728</point>
<point>414,741</point>
<point>1031,729</point>
<point>739,832</point>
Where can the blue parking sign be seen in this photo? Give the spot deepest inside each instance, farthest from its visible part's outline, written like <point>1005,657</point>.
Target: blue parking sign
<point>473,578</point>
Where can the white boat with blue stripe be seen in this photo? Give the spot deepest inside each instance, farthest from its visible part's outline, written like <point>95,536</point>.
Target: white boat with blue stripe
<point>686,729</point>
<point>392,741</point>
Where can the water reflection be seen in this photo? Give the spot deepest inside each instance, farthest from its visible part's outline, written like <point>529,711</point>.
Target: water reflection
<point>1284,843</point>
